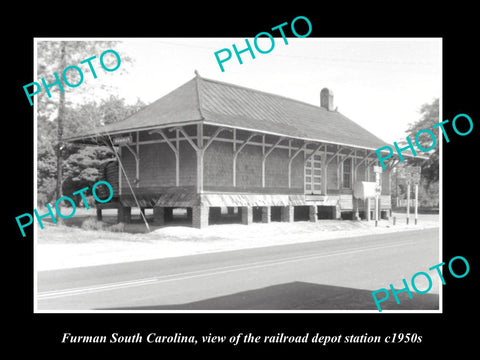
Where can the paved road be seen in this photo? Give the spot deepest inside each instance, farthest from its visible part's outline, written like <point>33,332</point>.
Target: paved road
<point>326,275</point>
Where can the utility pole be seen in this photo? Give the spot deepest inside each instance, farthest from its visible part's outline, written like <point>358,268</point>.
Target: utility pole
<point>61,115</point>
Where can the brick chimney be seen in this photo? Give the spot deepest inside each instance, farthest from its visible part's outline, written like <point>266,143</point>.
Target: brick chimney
<point>326,99</point>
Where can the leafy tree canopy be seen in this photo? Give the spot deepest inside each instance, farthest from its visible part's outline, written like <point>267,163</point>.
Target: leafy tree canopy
<point>429,116</point>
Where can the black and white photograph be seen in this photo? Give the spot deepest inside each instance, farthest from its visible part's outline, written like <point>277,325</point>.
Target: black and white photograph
<point>217,181</point>
<point>255,188</point>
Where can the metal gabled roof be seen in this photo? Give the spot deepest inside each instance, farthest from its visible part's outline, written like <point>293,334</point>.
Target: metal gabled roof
<point>223,104</point>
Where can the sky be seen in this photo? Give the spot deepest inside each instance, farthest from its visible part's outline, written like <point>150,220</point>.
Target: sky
<point>378,83</point>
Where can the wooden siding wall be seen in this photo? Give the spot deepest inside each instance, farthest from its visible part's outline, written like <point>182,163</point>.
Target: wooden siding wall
<point>276,169</point>
<point>249,167</point>
<point>128,162</point>
<point>217,164</point>
<point>332,174</point>
<point>218,168</point>
<point>298,172</point>
<point>361,172</point>
<point>188,164</point>
<point>157,165</point>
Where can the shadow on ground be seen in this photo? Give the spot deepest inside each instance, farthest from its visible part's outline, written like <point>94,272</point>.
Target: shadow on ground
<point>303,296</point>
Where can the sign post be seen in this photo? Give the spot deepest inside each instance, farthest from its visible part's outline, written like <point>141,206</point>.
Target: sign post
<point>378,190</point>
<point>408,201</point>
<point>416,203</point>
<point>412,176</point>
<point>416,181</point>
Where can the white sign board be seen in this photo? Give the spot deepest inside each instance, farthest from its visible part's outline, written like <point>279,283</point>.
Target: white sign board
<point>122,140</point>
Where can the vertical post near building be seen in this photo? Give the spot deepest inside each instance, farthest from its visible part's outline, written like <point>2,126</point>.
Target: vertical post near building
<point>408,181</point>
<point>378,190</point>
<point>416,203</point>
<point>60,119</point>
<point>408,200</point>
<point>412,176</point>
<point>416,170</point>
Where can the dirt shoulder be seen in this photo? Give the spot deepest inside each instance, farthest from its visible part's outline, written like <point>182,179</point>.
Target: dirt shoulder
<point>60,246</point>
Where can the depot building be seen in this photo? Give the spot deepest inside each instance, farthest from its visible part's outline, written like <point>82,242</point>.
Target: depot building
<point>223,152</point>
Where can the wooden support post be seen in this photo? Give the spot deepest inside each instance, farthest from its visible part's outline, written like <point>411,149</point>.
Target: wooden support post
<point>137,165</point>
<point>200,217</point>
<point>200,158</point>
<point>327,162</point>
<point>235,154</point>
<point>175,148</point>
<point>367,209</point>
<point>360,163</point>
<point>339,165</point>
<point>168,213</point>
<point>124,214</point>
<point>247,215</point>
<point>119,170</point>
<point>234,136</point>
<point>200,149</point>
<point>177,158</point>
<point>266,154</point>
<point>313,152</point>
<point>354,165</point>
<point>287,213</point>
<point>301,148</point>
<point>214,214</point>
<point>356,214</point>
<point>312,213</point>
<point>159,215</point>
<point>137,169</point>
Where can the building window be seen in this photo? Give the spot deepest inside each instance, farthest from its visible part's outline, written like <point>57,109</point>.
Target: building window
<point>347,174</point>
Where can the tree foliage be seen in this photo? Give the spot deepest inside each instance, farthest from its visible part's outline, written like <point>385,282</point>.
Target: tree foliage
<point>58,116</point>
<point>429,187</point>
<point>82,162</point>
<point>429,116</point>
<point>49,61</point>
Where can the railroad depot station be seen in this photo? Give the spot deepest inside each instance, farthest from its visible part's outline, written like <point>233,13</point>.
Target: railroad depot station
<point>220,150</point>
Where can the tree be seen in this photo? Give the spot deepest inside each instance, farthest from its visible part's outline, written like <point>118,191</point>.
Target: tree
<point>83,163</point>
<point>52,58</point>
<point>428,188</point>
<point>46,161</point>
<point>429,116</point>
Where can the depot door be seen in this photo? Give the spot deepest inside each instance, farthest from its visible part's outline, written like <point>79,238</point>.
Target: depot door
<point>313,175</point>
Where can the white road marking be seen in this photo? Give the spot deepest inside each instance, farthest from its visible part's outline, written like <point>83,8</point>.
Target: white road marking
<point>202,273</point>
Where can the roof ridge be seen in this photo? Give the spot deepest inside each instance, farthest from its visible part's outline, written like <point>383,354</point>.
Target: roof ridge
<point>197,77</point>
<point>266,93</point>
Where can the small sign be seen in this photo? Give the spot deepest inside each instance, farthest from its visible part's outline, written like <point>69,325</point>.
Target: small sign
<point>119,140</point>
<point>414,169</point>
<point>412,174</point>
<point>415,178</point>
<point>377,169</point>
<point>409,173</point>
